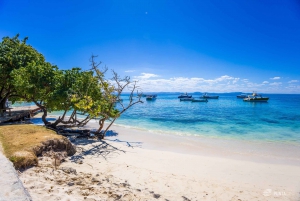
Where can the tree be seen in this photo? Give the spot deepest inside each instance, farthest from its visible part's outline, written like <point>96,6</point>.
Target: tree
<point>113,90</point>
<point>14,54</point>
<point>26,75</point>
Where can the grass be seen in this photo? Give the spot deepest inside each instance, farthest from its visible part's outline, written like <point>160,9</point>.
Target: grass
<point>18,142</point>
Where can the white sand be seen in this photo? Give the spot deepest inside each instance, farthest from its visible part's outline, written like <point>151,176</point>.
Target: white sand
<point>164,167</point>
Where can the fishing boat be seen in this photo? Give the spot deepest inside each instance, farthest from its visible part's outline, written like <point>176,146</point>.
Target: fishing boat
<point>255,97</point>
<point>205,95</point>
<point>151,97</point>
<point>186,99</point>
<point>185,96</point>
<point>242,96</point>
<point>200,100</point>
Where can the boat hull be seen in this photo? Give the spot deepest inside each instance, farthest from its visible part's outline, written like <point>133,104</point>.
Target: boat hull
<point>185,96</point>
<point>256,99</point>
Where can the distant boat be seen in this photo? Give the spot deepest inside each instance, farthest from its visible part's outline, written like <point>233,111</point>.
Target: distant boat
<point>185,96</point>
<point>255,97</point>
<point>242,96</point>
<point>200,100</point>
<point>205,95</point>
<point>151,97</point>
<point>186,99</point>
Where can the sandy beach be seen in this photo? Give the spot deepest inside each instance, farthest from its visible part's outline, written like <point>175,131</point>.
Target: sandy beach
<point>133,164</point>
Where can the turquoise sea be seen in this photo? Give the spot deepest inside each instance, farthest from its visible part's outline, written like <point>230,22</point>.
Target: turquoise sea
<point>277,120</point>
<point>227,117</point>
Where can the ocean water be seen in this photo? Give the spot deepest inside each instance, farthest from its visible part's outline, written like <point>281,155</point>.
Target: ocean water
<point>277,120</point>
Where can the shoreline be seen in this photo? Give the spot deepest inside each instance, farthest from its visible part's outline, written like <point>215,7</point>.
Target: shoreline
<point>199,135</point>
<point>173,168</point>
<point>257,151</point>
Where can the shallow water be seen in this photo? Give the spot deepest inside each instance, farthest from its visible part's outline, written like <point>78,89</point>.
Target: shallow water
<point>226,117</point>
<point>277,120</point>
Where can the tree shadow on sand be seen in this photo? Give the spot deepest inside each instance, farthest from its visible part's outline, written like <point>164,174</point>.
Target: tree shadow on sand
<point>101,148</point>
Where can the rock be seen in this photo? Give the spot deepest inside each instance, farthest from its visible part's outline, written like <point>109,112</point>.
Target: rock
<point>68,170</point>
<point>95,180</point>
<point>71,183</point>
<point>156,196</point>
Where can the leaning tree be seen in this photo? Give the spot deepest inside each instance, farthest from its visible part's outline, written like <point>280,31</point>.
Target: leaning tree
<point>103,107</point>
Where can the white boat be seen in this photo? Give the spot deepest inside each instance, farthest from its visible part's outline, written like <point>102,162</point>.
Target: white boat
<point>151,97</point>
<point>185,96</point>
<point>242,96</point>
<point>205,95</point>
<point>255,97</point>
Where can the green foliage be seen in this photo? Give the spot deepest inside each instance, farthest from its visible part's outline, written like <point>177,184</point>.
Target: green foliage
<point>14,54</point>
<point>26,75</point>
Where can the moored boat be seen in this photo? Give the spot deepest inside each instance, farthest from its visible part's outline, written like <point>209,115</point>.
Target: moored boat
<point>205,95</point>
<point>185,96</point>
<point>186,99</point>
<point>151,97</point>
<point>255,97</point>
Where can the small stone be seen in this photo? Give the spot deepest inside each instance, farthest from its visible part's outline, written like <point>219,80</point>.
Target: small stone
<point>156,196</point>
<point>68,170</point>
<point>71,183</point>
<point>95,180</point>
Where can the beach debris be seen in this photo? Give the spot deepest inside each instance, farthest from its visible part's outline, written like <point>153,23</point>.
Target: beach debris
<point>71,183</point>
<point>95,179</point>
<point>156,195</point>
<point>185,198</point>
<point>68,170</point>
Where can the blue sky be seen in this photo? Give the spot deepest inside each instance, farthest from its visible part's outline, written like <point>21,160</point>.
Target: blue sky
<point>214,46</point>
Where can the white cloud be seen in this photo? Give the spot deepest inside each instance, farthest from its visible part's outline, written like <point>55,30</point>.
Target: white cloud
<point>275,83</point>
<point>149,82</point>
<point>129,71</point>
<point>144,76</point>
<point>275,78</point>
<point>293,81</point>
<point>223,83</point>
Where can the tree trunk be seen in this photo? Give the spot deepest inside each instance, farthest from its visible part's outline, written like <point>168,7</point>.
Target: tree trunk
<point>101,124</point>
<point>2,103</point>
<point>44,117</point>
<point>109,127</point>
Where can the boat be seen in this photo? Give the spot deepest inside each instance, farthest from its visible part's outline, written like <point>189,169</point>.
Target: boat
<point>186,99</point>
<point>242,96</point>
<point>185,96</point>
<point>200,100</point>
<point>205,95</point>
<point>255,97</point>
<point>151,97</point>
